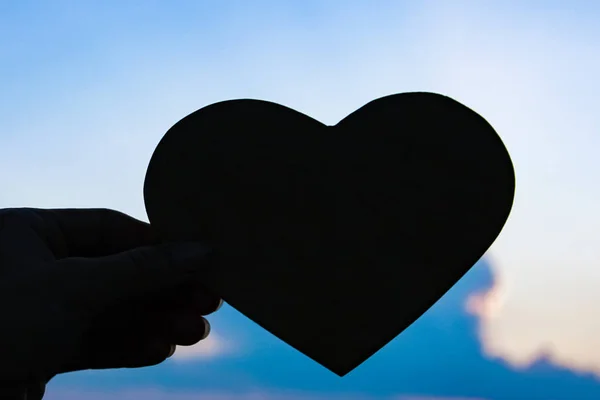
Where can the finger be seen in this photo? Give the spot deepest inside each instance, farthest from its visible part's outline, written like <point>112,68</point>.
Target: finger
<point>129,336</point>
<point>184,328</point>
<point>122,352</point>
<point>132,354</point>
<point>181,326</point>
<point>22,244</point>
<point>94,232</point>
<point>93,284</point>
<point>190,295</point>
<point>182,299</point>
<point>131,351</point>
<point>205,302</point>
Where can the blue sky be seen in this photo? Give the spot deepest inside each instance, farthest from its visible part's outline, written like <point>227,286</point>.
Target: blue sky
<point>82,82</point>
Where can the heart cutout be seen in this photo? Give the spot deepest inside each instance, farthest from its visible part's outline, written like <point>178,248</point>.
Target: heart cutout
<point>333,238</point>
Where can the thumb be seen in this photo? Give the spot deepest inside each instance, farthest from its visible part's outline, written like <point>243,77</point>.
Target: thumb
<point>95,283</point>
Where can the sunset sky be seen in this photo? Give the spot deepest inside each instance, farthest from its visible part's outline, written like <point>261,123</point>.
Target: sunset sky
<point>88,88</point>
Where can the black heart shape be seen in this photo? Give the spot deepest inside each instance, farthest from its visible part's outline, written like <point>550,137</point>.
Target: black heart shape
<point>333,238</point>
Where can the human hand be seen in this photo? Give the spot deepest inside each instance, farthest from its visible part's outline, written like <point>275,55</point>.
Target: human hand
<point>93,289</point>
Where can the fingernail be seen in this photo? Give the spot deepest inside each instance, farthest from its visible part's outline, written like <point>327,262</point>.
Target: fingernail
<point>188,252</point>
<point>172,351</point>
<point>206,329</point>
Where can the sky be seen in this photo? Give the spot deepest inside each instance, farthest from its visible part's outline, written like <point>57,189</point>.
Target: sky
<point>83,82</point>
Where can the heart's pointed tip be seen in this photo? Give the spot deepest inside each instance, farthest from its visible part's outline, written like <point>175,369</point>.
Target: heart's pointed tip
<point>341,372</point>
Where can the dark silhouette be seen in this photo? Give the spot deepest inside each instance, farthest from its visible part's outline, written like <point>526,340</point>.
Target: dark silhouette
<point>439,356</point>
<point>321,233</point>
<point>324,232</point>
<point>92,289</point>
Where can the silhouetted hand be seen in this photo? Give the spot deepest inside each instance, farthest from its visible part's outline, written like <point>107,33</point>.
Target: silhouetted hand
<point>92,289</point>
